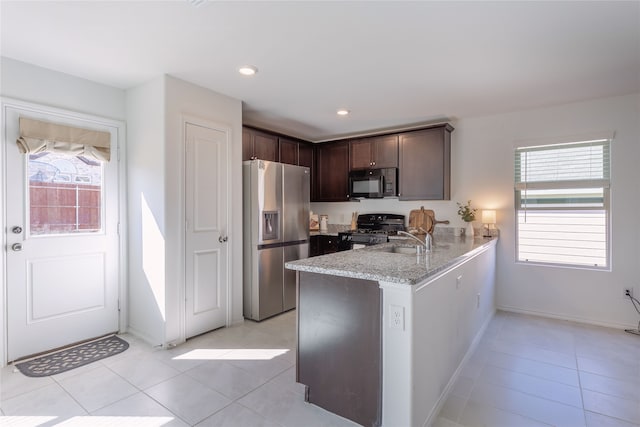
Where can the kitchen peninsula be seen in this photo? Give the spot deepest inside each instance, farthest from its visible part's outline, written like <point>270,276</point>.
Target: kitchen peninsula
<point>382,331</point>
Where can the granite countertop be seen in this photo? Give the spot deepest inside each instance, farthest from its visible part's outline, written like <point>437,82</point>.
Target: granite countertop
<point>323,233</point>
<point>332,230</point>
<point>379,263</point>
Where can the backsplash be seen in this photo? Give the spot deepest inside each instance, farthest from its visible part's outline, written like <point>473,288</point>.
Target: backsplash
<point>340,212</point>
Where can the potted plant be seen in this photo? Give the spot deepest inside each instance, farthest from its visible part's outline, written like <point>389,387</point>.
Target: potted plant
<point>468,215</point>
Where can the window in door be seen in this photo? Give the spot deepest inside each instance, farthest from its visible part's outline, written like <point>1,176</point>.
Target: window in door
<point>65,194</point>
<point>562,204</point>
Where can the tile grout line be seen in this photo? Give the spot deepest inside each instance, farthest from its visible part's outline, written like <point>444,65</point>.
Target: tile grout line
<point>475,381</point>
<point>584,412</point>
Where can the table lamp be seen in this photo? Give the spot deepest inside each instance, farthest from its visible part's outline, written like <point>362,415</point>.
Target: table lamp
<point>488,219</point>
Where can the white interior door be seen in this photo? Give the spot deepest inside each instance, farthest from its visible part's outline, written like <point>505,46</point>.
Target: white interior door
<point>206,247</point>
<point>62,242</point>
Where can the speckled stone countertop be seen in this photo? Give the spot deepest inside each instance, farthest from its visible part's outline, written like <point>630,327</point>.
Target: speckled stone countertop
<point>323,233</point>
<point>332,230</point>
<point>380,263</point>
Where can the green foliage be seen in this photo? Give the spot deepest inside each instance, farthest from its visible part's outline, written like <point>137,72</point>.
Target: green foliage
<point>466,212</point>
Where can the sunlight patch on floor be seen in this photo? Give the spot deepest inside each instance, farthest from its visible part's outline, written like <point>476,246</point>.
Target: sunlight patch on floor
<point>116,421</point>
<point>24,421</point>
<point>232,354</point>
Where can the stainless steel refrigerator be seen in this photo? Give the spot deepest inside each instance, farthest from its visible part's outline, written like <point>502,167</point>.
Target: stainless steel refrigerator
<point>276,230</point>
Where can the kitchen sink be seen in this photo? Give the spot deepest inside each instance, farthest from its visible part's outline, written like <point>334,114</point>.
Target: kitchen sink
<point>408,250</point>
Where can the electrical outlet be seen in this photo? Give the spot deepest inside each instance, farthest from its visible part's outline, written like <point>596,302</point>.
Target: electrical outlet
<point>627,292</point>
<point>396,317</point>
<point>478,301</point>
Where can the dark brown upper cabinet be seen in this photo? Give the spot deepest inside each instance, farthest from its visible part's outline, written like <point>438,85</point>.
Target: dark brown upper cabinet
<point>288,151</point>
<point>332,172</point>
<point>374,152</point>
<point>305,154</point>
<point>425,164</point>
<point>259,145</point>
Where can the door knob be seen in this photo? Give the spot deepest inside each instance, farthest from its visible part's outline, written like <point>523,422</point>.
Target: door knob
<point>16,230</point>
<point>17,247</point>
<point>222,239</point>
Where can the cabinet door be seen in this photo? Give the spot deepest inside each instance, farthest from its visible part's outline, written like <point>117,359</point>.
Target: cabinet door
<point>385,151</point>
<point>288,151</point>
<point>424,164</point>
<point>314,246</point>
<point>328,244</point>
<point>361,152</point>
<point>305,155</point>
<point>265,146</point>
<point>305,158</point>
<point>259,145</point>
<point>374,152</point>
<point>247,144</point>
<point>333,172</point>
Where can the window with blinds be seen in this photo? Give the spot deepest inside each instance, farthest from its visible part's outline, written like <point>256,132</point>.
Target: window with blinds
<point>562,204</point>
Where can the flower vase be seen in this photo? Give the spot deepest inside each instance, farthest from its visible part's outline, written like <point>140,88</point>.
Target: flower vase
<point>469,230</point>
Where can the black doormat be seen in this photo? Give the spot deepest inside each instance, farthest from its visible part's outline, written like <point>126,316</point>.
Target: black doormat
<point>71,358</point>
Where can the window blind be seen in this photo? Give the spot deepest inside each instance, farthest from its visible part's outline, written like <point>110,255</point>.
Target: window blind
<point>37,136</point>
<point>562,203</point>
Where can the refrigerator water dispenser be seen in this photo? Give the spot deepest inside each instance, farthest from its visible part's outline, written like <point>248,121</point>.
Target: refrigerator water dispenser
<point>270,225</point>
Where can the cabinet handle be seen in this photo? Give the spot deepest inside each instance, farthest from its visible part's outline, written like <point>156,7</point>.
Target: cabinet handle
<point>373,163</point>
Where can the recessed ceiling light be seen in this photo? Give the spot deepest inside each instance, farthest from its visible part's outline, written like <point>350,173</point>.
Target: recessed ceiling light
<point>247,70</point>
<point>343,112</point>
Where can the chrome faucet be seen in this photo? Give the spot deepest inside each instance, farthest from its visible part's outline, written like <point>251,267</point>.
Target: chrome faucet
<point>427,239</point>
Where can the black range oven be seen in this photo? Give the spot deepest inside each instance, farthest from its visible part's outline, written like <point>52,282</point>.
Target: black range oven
<point>372,229</point>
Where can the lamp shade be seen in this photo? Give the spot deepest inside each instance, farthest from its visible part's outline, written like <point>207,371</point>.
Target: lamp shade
<point>488,216</point>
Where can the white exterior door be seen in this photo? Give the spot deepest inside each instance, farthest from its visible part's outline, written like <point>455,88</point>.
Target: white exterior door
<point>206,247</point>
<point>62,243</point>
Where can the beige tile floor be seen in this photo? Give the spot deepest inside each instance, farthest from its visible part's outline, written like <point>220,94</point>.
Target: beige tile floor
<point>533,371</point>
<point>527,371</point>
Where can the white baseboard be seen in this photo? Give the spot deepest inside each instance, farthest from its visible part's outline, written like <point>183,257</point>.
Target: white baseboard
<point>144,337</point>
<point>570,318</point>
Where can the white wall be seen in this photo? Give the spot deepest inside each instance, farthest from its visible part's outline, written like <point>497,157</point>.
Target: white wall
<point>26,82</point>
<point>154,165</point>
<point>482,170</point>
<point>184,98</point>
<point>146,210</point>
<point>156,201</point>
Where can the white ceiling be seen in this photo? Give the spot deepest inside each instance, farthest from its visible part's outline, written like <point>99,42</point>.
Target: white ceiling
<point>393,64</point>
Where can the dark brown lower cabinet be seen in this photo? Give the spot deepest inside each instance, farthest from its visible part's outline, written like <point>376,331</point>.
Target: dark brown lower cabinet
<point>339,356</point>
<point>322,245</point>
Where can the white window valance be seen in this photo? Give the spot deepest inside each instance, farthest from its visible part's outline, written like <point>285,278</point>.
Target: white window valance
<point>37,136</point>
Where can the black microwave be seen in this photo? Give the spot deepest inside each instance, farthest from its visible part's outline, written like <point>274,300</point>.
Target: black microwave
<point>373,183</point>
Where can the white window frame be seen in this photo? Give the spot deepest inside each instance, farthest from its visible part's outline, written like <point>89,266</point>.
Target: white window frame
<point>602,182</point>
